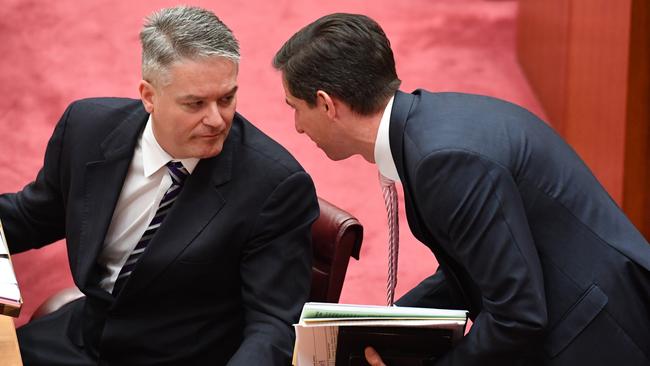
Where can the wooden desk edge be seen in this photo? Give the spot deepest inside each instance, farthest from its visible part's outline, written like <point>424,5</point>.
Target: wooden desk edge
<point>9,351</point>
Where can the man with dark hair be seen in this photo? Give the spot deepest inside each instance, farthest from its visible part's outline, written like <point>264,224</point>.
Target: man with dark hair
<point>188,229</point>
<point>550,269</point>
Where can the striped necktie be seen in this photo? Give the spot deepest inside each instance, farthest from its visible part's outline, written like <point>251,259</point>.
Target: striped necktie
<point>390,198</point>
<point>178,173</point>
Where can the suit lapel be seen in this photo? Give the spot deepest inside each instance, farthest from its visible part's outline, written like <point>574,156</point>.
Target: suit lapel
<point>398,118</point>
<point>103,180</point>
<point>402,106</point>
<point>199,201</point>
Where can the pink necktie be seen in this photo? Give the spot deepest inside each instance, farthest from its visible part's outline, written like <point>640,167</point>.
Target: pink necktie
<point>390,198</point>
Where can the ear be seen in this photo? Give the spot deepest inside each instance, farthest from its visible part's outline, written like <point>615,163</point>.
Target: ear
<point>325,101</point>
<point>147,95</point>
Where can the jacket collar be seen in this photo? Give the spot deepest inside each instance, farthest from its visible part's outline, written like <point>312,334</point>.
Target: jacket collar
<point>401,107</point>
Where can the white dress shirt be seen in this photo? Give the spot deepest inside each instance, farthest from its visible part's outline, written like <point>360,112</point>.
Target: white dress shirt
<point>383,153</point>
<point>144,187</point>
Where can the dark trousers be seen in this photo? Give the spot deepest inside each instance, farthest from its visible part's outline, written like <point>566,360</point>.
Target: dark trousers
<point>50,340</point>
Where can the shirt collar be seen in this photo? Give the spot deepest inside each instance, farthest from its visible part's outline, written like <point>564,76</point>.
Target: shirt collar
<point>155,157</point>
<point>383,154</point>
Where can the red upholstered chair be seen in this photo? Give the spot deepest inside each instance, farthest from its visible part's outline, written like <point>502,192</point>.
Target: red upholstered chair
<point>336,237</point>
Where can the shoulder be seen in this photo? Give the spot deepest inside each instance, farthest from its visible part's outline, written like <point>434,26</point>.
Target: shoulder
<point>473,124</point>
<point>94,113</point>
<point>258,147</point>
<point>98,113</point>
<point>261,166</point>
<point>105,105</point>
<point>86,123</point>
<point>463,105</point>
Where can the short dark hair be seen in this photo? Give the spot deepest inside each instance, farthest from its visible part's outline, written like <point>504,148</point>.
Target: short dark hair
<point>345,55</point>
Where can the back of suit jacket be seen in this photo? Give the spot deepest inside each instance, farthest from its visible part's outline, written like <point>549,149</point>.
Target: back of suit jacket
<point>526,237</point>
<point>226,274</point>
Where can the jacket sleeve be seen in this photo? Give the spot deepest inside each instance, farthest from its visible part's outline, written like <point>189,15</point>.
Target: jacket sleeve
<point>432,292</point>
<point>35,216</point>
<point>276,273</point>
<point>473,209</point>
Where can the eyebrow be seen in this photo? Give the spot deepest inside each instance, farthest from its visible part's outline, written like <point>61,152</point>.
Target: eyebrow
<point>196,97</point>
<point>233,90</point>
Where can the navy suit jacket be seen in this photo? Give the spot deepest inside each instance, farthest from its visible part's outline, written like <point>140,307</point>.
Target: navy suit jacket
<point>527,239</point>
<point>224,277</point>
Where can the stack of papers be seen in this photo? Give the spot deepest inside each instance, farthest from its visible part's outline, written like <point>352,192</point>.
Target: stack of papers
<point>327,329</point>
<point>10,299</point>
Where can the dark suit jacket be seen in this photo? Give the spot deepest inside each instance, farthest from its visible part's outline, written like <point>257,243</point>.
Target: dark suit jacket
<point>528,241</point>
<point>226,274</point>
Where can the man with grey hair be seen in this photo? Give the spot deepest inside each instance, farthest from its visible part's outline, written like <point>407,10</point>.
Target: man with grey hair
<point>188,230</point>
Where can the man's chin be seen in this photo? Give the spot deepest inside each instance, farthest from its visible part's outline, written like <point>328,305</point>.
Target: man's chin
<point>212,147</point>
<point>335,155</point>
<point>211,151</point>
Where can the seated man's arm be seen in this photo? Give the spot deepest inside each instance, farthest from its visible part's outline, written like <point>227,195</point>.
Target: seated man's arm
<point>276,272</point>
<point>34,216</point>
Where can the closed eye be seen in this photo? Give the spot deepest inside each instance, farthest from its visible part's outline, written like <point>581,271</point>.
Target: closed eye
<point>227,99</point>
<point>194,104</point>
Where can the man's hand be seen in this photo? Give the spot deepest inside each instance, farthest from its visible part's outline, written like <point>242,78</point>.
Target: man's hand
<point>373,357</point>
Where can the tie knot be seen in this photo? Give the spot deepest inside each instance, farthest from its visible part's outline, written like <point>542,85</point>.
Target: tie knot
<point>178,172</point>
<point>385,181</point>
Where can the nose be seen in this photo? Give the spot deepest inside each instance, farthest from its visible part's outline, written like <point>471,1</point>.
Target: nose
<point>213,116</point>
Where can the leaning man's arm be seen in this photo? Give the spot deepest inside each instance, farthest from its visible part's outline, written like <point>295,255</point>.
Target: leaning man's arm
<point>276,272</point>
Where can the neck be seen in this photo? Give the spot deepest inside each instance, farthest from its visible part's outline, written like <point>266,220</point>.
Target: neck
<point>358,133</point>
<point>365,135</point>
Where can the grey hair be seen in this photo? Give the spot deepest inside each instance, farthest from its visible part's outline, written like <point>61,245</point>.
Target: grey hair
<point>172,34</point>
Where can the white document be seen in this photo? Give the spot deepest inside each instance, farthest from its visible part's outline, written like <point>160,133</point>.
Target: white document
<point>10,300</point>
<point>319,311</point>
<point>7,275</point>
<point>317,346</point>
<point>10,292</point>
<point>317,331</point>
<point>4,249</point>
